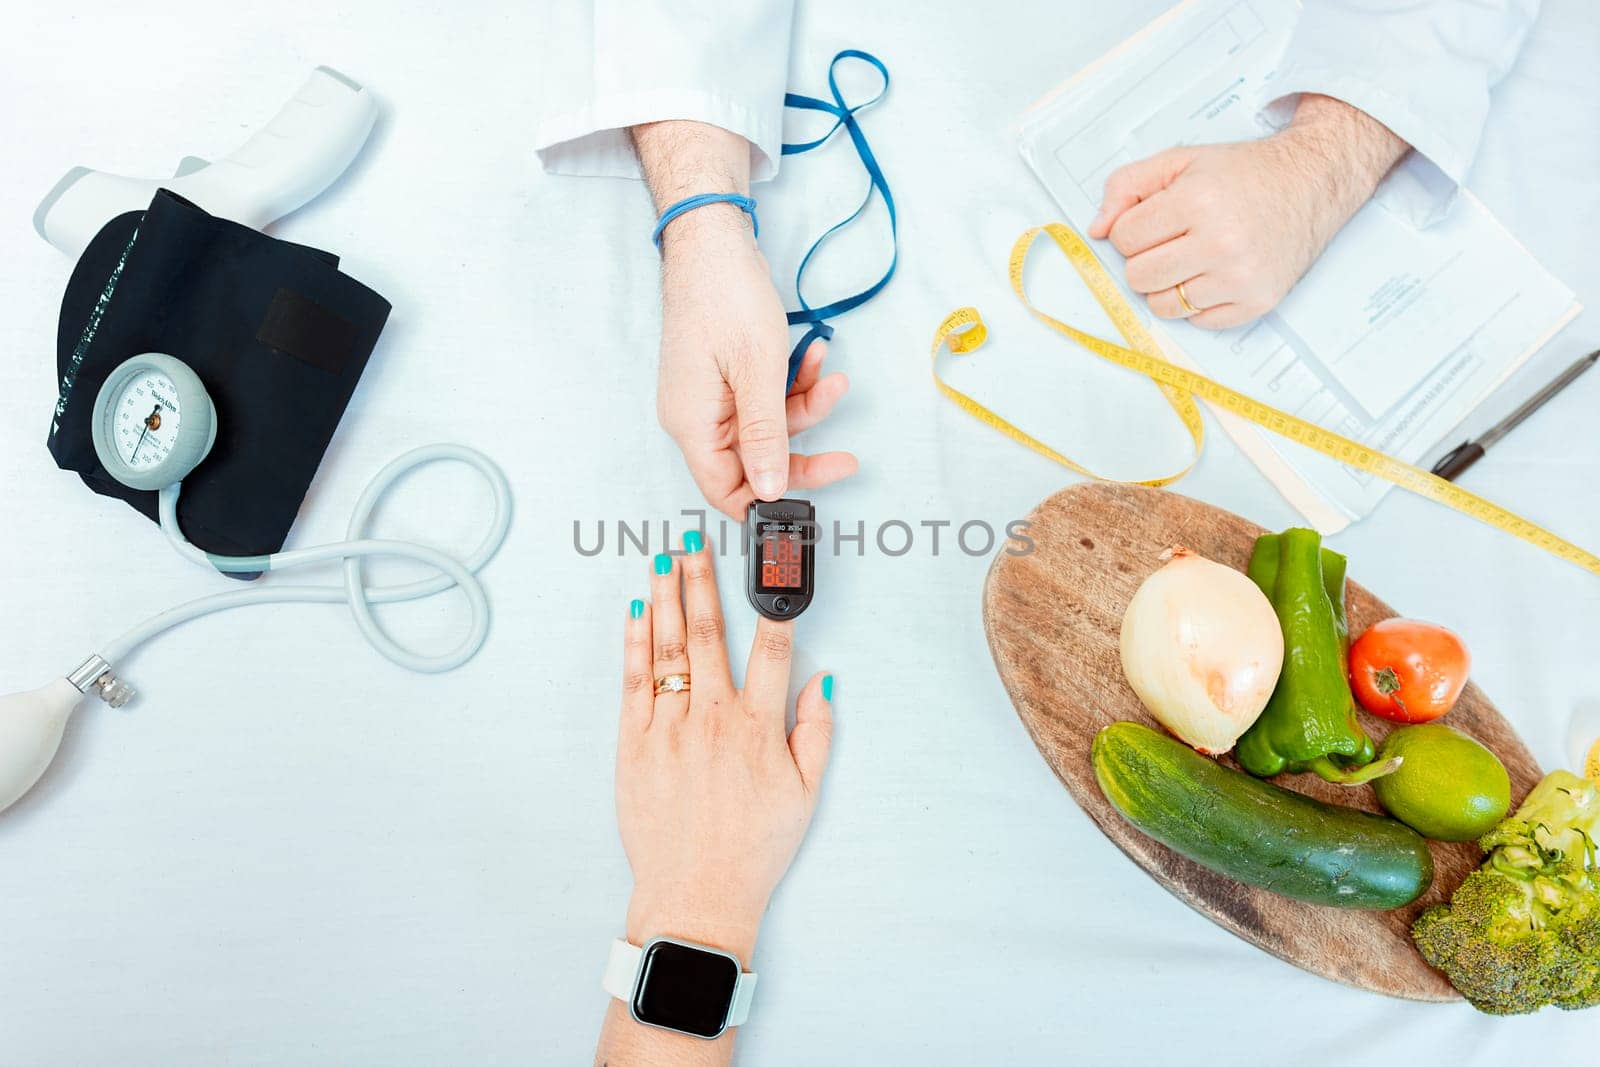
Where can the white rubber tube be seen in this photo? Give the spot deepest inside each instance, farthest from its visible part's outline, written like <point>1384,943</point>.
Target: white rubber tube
<point>452,572</point>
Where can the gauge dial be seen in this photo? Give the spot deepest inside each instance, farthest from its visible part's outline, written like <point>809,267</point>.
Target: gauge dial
<point>153,422</point>
<point>146,420</point>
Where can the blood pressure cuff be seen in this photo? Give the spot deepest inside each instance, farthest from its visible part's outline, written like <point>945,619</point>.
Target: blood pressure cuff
<point>274,331</point>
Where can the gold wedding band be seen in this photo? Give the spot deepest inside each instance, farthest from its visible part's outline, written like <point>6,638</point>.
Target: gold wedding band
<point>1183,298</point>
<point>672,683</point>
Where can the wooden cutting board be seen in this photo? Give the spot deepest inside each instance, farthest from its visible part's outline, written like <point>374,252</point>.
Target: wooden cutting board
<point>1053,618</point>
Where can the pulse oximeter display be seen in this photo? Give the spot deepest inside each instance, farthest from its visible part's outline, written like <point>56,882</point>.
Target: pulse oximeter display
<point>780,556</point>
<point>779,544</point>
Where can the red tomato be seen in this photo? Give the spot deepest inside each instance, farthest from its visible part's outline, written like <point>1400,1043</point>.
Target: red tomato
<point>1408,671</point>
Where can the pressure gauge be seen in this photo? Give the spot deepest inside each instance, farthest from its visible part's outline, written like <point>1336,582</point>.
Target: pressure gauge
<point>780,556</point>
<point>153,422</point>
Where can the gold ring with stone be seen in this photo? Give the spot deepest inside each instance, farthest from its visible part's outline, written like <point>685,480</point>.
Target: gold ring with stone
<point>672,683</point>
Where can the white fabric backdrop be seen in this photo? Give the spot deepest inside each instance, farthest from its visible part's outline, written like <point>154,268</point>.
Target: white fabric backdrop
<point>289,851</point>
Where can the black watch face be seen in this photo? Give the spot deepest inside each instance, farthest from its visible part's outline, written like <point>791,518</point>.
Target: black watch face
<point>685,989</point>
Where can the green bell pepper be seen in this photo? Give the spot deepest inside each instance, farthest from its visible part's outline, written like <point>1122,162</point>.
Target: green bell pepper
<point>1263,570</point>
<point>1310,722</point>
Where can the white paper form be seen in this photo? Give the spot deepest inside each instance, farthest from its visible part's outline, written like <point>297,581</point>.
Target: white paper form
<point>1392,337</point>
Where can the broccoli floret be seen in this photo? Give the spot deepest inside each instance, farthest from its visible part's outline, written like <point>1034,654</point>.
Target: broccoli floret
<point>1523,930</point>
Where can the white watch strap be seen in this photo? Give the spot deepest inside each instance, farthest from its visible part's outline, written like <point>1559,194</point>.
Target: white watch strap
<point>622,969</point>
<point>744,991</point>
<point>622,974</point>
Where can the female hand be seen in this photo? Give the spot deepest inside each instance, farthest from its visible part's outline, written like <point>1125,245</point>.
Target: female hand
<point>713,795</point>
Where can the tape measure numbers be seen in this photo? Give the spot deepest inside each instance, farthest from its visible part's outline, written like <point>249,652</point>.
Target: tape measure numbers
<point>963,331</point>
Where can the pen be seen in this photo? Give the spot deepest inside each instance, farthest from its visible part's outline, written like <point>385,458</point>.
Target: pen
<point>1467,453</point>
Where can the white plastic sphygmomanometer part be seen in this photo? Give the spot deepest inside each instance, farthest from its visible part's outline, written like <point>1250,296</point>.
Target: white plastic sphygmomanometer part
<point>287,163</point>
<point>627,959</point>
<point>32,723</point>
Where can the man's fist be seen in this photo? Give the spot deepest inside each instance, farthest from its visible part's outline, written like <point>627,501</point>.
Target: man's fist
<point>1238,224</point>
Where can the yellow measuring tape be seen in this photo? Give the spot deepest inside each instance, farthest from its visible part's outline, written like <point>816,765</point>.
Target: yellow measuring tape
<point>963,331</point>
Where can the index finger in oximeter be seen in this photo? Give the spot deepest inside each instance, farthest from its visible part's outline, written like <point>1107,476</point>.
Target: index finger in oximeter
<point>780,560</point>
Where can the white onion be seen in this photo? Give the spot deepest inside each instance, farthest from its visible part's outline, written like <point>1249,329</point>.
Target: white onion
<point>1202,647</point>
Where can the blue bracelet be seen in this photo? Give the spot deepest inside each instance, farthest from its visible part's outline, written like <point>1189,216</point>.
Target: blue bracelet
<point>689,203</point>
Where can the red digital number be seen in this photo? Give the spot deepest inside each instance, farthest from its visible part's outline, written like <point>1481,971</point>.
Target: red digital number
<point>780,562</point>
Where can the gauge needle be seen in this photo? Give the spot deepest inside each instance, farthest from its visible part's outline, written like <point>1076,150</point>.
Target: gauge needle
<point>150,422</point>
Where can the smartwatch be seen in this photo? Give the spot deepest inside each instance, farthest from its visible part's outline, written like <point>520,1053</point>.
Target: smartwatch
<point>679,985</point>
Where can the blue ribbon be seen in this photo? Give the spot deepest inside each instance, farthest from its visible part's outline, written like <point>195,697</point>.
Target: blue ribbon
<point>844,115</point>
<point>689,203</point>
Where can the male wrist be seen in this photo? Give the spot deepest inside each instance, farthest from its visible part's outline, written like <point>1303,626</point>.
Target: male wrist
<point>682,158</point>
<point>1350,150</point>
<point>717,227</point>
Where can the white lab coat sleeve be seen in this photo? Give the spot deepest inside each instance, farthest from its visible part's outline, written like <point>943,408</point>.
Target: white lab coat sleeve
<point>620,63</point>
<point>1424,68</point>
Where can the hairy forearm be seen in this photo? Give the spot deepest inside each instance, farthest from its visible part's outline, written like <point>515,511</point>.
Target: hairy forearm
<point>682,159</point>
<point>1343,150</point>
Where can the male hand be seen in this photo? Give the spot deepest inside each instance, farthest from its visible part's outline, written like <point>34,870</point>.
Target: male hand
<point>724,339</point>
<point>724,361</point>
<point>1238,224</point>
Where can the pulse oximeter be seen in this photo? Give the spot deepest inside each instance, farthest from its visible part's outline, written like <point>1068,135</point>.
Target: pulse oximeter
<point>780,557</point>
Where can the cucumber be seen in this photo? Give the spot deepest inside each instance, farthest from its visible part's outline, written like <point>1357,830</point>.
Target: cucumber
<point>1255,832</point>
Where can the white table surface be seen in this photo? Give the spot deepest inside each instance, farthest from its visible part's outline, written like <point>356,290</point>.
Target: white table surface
<point>288,851</point>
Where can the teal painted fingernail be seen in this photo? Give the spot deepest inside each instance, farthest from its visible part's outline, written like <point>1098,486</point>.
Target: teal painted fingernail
<point>692,541</point>
<point>635,609</point>
<point>827,688</point>
<point>663,563</point>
